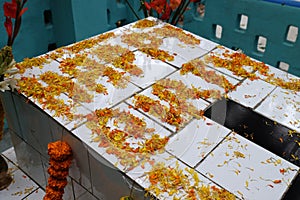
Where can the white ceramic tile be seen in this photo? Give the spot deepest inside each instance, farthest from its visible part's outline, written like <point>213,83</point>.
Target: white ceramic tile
<point>218,52</point>
<point>117,40</point>
<point>11,166</point>
<point>37,194</point>
<point>153,70</point>
<point>86,136</point>
<point>185,51</point>
<point>206,44</point>
<point>35,71</point>
<point>146,164</point>
<point>250,93</point>
<point>131,27</point>
<point>282,106</point>
<point>125,156</point>
<point>194,180</point>
<point>11,155</point>
<point>114,96</point>
<point>113,40</point>
<point>196,140</point>
<point>247,170</point>
<point>281,75</point>
<point>278,73</point>
<point>195,81</point>
<point>19,188</point>
<point>75,108</point>
<point>199,104</point>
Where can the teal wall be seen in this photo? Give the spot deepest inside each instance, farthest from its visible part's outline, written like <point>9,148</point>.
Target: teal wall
<point>267,19</point>
<point>70,21</point>
<point>74,20</point>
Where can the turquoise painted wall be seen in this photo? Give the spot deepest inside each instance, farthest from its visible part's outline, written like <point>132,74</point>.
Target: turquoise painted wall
<point>53,23</point>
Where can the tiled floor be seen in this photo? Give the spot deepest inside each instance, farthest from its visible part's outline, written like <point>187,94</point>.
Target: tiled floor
<point>22,186</point>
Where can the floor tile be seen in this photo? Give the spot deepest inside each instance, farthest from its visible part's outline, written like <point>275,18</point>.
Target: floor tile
<point>11,155</point>
<point>196,140</point>
<point>21,186</point>
<point>86,196</point>
<point>283,106</point>
<point>36,71</point>
<point>11,166</point>
<point>29,160</point>
<point>247,170</point>
<point>250,93</point>
<point>78,190</point>
<point>38,194</point>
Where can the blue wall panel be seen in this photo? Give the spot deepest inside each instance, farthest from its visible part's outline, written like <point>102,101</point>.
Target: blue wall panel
<point>74,20</point>
<point>34,35</point>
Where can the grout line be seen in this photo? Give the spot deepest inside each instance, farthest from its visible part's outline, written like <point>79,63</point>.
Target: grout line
<point>25,198</point>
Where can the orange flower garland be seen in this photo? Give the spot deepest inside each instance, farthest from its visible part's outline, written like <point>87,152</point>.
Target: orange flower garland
<point>60,160</point>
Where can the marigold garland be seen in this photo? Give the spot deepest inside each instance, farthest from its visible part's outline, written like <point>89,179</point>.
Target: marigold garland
<point>60,160</point>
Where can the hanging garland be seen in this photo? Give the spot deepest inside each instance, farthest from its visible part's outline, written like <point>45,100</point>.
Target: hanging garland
<point>60,160</point>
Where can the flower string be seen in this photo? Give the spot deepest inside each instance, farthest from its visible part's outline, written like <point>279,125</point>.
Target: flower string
<point>60,160</point>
